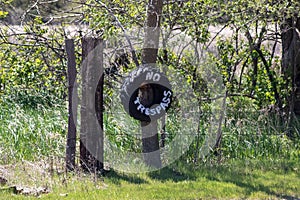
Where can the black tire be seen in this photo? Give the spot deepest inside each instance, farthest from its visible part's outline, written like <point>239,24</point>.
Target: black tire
<point>154,81</point>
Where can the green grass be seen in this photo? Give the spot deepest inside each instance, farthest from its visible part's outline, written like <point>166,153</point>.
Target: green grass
<point>32,146</point>
<point>30,133</point>
<point>235,180</point>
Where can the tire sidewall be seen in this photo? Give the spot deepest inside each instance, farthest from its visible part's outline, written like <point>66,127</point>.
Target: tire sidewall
<point>162,92</point>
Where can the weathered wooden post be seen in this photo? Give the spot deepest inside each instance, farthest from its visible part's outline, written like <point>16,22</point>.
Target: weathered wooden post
<point>71,136</point>
<point>91,130</point>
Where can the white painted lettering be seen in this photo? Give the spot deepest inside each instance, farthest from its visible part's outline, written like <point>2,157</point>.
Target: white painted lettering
<point>141,107</point>
<point>152,111</point>
<point>164,105</point>
<point>137,101</point>
<point>166,100</point>
<point>158,109</point>
<point>167,93</point>
<point>156,77</point>
<point>147,111</point>
<point>149,76</point>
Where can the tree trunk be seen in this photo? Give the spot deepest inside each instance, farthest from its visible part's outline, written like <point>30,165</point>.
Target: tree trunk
<point>149,55</point>
<point>291,64</point>
<point>152,31</point>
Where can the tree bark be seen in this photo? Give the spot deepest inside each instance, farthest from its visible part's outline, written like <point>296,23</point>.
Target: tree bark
<point>149,56</point>
<point>291,64</point>
<point>152,31</point>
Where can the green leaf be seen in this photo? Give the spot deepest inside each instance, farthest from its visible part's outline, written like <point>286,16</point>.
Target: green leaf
<point>3,14</point>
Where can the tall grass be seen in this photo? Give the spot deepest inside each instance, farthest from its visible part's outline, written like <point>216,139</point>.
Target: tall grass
<point>33,132</point>
<point>258,134</point>
<point>29,133</point>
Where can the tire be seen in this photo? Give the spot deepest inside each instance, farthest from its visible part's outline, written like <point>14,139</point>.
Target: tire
<point>146,93</point>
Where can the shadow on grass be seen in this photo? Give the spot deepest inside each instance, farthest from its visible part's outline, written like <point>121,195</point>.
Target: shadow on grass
<point>248,181</point>
<point>172,174</point>
<point>117,177</point>
<point>261,188</point>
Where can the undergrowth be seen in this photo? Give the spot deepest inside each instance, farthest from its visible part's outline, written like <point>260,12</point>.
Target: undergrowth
<point>257,161</point>
<point>33,132</point>
<point>29,133</point>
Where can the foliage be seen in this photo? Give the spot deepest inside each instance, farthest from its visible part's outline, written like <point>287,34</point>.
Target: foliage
<point>110,17</point>
<point>246,56</point>
<point>38,77</point>
<point>22,11</point>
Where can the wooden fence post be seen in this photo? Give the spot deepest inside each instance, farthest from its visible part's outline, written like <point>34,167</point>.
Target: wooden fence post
<point>71,136</point>
<point>91,130</point>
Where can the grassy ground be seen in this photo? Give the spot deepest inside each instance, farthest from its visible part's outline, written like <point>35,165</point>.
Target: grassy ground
<point>32,145</point>
<point>237,180</point>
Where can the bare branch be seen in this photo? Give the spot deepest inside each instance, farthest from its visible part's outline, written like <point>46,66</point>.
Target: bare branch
<point>134,57</point>
<point>27,11</point>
